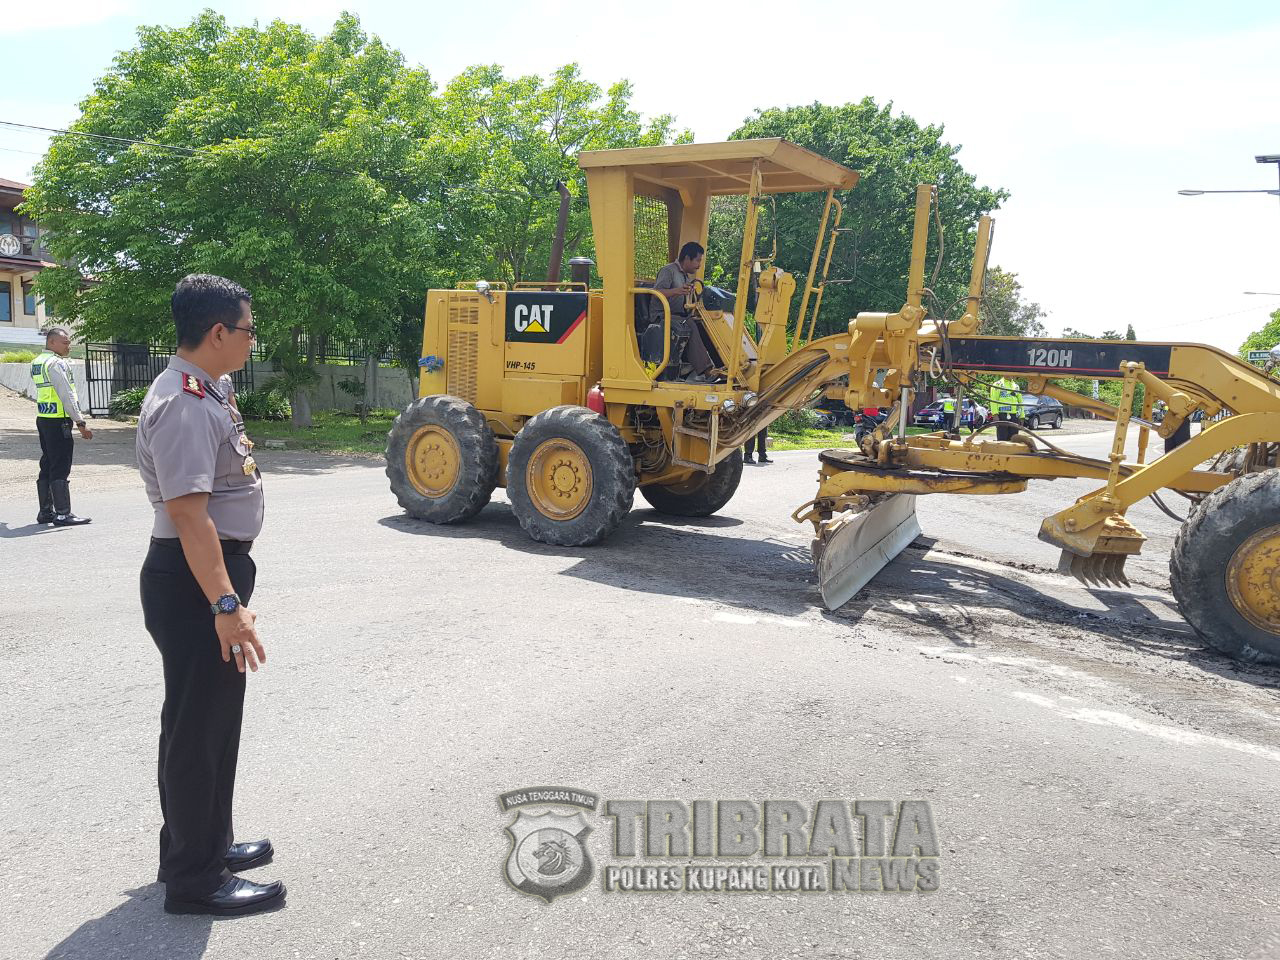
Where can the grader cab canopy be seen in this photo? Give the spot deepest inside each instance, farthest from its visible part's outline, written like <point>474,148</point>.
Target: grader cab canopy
<point>647,202</point>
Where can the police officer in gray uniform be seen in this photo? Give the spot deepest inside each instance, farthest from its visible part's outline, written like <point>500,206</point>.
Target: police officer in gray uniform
<point>197,581</point>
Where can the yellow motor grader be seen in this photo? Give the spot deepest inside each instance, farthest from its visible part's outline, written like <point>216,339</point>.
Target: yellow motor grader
<point>570,396</point>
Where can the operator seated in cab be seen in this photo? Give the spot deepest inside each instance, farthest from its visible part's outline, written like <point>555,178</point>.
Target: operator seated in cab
<point>675,283</point>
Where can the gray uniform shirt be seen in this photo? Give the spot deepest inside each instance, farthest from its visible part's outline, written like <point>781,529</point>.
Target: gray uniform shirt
<point>190,442</point>
<point>63,381</point>
<point>669,278</point>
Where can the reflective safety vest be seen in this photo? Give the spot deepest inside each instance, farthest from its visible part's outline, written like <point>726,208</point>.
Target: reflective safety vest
<point>48,404</point>
<point>948,406</point>
<point>1005,396</point>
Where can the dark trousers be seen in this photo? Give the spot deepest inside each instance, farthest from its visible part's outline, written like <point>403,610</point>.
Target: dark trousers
<point>56,448</point>
<point>200,720</point>
<point>758,442</point>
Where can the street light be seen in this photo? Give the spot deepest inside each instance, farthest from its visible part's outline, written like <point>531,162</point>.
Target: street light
<point>1261,158</point>
<point>1198,193</point>
<point>1260,293</point>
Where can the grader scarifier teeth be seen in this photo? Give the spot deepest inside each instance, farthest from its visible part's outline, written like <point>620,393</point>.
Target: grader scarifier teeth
<point>1101,569</point>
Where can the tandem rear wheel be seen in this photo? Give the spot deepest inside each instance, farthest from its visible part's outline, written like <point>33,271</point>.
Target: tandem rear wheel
<point>570,477</point>
<point>700,495</point>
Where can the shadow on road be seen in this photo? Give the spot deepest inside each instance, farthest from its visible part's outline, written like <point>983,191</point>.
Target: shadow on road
<point>31,530</point>
<point>138,929</point>
<point>683,557</point>
<point>114,447</point>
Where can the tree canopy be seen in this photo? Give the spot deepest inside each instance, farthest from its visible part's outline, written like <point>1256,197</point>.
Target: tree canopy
<point>323,173</point>
<point>1263,339</point>
<point>1004,312</point>
<point>894,153</point>
<point>299,166</point>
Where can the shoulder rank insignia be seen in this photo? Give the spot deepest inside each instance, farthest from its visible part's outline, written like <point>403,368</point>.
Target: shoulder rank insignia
<point>192,385</point>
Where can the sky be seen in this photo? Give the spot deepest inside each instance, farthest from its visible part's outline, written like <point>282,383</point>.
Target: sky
<point>1093,113</point>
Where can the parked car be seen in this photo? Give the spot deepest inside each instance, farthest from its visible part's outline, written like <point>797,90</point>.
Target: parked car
<point>972,415</point>
<point>1037,411</point>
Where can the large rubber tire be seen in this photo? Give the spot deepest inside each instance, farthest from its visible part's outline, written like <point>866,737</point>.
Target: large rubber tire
<point>702,494</point>
<point>576,455</point>
<point>1203,576</point>
<point>467,469</point>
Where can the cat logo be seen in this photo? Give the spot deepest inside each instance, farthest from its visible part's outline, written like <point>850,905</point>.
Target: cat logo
<point>549,317</point>
<point>527,317</point>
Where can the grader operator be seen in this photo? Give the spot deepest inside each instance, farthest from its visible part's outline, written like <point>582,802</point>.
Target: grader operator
<point>557,391</point>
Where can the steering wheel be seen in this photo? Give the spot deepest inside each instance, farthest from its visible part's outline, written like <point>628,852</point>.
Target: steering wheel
<point>697,287</point>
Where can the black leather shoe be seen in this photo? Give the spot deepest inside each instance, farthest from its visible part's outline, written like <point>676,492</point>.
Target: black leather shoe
<point>240,856</point>
<point>237,897</point>
<point>69,520</point>
<point>245,856</point>
<point>44,516</point>
<point>764,459</point>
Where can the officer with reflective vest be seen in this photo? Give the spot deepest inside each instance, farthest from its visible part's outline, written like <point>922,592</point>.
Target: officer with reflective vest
<point>1006,401</point>
<point>57,408</point>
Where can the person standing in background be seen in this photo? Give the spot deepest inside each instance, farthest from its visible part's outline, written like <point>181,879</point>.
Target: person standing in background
<point>760,442</point>
<point>57,409</point>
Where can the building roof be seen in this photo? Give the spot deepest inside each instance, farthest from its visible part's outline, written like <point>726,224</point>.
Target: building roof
<point>725,168</point>
<point>13,185</point>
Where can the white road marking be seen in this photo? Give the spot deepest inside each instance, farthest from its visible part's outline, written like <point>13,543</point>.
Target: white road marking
<point>1170,734</point>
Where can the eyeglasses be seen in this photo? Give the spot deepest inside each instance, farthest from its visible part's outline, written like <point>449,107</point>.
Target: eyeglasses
<point>251,331</point>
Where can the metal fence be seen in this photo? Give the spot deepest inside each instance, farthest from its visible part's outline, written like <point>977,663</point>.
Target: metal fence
<point>110,368</point>
<point>334,350</point>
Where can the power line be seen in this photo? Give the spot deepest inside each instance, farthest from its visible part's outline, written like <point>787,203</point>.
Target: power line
<point>98,136</point>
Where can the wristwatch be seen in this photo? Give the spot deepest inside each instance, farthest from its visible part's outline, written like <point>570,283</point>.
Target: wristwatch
<point>227,603</point>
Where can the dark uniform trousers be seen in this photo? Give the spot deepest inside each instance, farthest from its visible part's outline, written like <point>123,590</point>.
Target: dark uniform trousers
<point>758,442</point>
<point>200,719</point>
<point>56,449</point>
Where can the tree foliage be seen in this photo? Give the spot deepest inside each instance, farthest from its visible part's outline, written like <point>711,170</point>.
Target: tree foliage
<point>302,170</point>
<point>507,143</point>
<point>1004,312</point>
<point>894,153</point>
<point>322,173</point>
<point>1263,339</point>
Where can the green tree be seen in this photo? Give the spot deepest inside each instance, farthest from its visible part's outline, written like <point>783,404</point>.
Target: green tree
<point>894,153</point>
<point>507,143</point>
<point>1004,312</point>
<point>297,165</point>
<point>1263,339</point>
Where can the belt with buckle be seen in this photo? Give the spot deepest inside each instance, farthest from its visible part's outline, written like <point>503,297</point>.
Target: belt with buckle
<point>228,546</point>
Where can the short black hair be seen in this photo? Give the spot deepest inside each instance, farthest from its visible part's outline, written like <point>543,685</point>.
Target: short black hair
<point>690,250</point>
<point>201,300</point>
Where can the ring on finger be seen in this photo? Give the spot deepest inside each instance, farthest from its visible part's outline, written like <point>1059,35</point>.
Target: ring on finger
<point>235,648</point>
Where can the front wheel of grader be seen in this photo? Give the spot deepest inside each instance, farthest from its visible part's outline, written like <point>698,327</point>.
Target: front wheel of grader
<point>1225,568</point>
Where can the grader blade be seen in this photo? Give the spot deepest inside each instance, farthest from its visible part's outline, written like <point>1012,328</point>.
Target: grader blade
<point>854,547</point>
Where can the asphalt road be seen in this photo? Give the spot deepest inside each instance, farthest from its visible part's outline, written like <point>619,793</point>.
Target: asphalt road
<point>1100,784</point>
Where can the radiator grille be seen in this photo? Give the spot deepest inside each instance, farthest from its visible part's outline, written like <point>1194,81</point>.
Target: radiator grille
<point>464,312</point>
<point>461,365</point>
